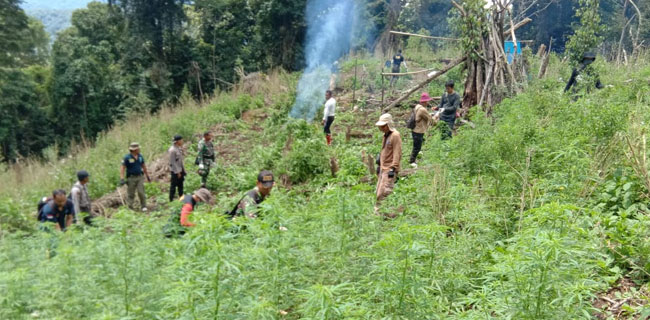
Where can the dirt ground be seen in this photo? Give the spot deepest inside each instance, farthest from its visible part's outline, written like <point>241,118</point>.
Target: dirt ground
<point>615,302</point>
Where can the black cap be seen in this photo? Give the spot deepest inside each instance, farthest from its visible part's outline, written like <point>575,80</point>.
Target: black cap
<point>589,56</point>
<point>83,174</point>
<point>449,83</point>
<point>178,137</point>
<point>265,178</point>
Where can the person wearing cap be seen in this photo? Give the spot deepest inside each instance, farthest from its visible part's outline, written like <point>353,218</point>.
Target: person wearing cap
<point>248,204</point>
<point>422,120</point>
<point>205,158</point>
<point>176,167</point>
<point>80,198</point>
<point>398,59</point>
<point>134,167</point>
<point>328,115</point>
<point>389,158</point>
<point>449,104</point>
<point>179,220</point>
<point>584,68</point>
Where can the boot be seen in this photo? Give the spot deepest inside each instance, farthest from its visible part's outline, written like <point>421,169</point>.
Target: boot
<point>329,139</point>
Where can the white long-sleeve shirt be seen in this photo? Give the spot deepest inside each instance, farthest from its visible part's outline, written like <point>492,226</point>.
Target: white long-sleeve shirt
<point>330,107</point>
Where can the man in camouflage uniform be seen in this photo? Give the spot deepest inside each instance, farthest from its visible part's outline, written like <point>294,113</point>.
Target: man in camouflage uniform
<point>205,158</point>
<point>248,204</point>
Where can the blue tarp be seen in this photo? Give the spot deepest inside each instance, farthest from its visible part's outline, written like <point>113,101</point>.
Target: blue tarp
<point>509,48</point>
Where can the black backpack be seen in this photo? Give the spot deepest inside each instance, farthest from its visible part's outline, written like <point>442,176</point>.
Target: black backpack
<point>411,121</point>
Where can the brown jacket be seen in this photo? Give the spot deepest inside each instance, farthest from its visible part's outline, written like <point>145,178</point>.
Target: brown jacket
<point>391,151</point>
<point>422,119</point>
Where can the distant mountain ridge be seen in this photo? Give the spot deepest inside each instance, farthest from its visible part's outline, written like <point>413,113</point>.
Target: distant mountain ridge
<point>54,14</point>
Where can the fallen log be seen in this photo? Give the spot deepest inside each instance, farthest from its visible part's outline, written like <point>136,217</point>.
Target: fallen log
<point>425,82</point>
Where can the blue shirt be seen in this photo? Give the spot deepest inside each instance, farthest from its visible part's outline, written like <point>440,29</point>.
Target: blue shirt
<point>52,213</point>
<point>133,165</point>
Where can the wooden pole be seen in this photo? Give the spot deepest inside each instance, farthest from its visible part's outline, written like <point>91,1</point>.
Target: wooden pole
<point>422,84</point>
<point>354,90</point>
<point>382,91</point>
<point>422,36</point>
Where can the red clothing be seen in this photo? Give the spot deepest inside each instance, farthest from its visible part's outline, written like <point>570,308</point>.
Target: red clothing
<point>186,210</point>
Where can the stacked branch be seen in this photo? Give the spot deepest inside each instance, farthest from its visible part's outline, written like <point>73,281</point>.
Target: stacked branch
<point>489,76</point>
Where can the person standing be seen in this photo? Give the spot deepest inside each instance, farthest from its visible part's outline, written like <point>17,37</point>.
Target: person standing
<point>421,121</point>
<point>80,197</point>
<point>328,115</point>
<point>59,210</point>
<point>134,167</point>
<point>205,158</point>
<point>585,68</point>
<point>176,167</point>
<point>398,59</point>
<point>389,158</point>
<point>449,105</point>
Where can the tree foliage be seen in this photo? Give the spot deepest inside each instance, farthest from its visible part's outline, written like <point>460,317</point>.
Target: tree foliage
<point>587,34</point>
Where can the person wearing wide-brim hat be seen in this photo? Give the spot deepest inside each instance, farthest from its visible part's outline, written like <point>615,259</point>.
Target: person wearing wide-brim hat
<point>389,158</point>
<point>179,220</point>
<point>135,169</point>
<point>419,123</point>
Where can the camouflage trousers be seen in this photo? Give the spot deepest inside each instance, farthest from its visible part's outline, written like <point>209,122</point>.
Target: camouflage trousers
<point>207,165</point>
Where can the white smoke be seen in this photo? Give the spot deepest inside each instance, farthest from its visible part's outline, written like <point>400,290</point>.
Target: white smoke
<point>331,25</point>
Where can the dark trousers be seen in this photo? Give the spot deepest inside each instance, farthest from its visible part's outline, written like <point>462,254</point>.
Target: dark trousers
<point>328,124</point>
<point>418,139</point>
<point>177,183</point>
<point>447,128</point>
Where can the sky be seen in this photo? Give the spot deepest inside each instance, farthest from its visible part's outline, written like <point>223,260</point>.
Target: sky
<point>55,4</point>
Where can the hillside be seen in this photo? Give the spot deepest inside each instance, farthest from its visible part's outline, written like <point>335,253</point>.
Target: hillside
<point>536,213</point>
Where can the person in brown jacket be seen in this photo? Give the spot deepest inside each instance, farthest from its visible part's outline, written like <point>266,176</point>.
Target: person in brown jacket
<point>389,158</point>
<point>422,120</point>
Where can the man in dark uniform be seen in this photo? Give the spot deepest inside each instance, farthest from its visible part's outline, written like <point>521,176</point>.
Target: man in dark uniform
<point>59,210</point>
<point>449,104</point>
<point>398,59</point>
<point>135,169</point>
<point>587,70</point>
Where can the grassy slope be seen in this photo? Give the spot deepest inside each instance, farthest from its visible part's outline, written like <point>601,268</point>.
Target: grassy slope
<point>508,221</point>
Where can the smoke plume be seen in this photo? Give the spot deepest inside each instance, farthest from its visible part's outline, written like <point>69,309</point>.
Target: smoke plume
<point>331,25</point>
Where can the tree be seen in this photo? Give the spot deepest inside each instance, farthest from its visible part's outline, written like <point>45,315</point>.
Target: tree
<point>587,34</point>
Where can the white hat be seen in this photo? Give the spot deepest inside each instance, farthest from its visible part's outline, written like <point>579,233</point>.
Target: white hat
<point>385,119</point>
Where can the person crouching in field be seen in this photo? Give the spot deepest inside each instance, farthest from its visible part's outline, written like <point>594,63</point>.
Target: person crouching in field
<point>389,159</point>
<point>58,210</point>
<point>249,204</point>
<point>179,221</point>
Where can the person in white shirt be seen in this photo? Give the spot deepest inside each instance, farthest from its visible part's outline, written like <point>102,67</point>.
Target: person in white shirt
<point>328,115</point>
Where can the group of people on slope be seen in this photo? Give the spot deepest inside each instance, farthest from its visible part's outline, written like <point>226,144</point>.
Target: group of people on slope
<point>62,211</point>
